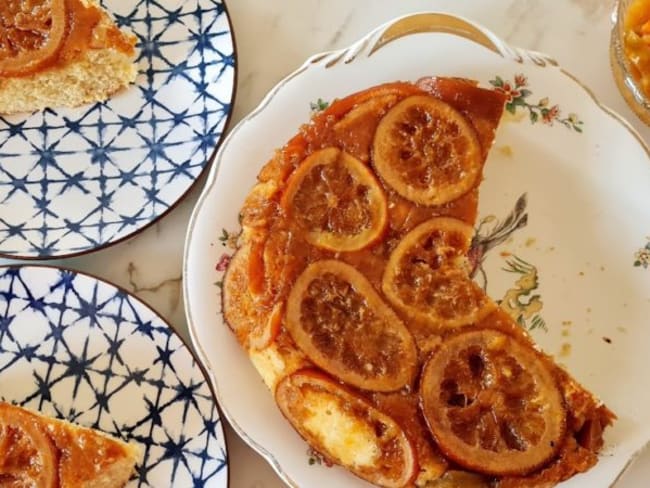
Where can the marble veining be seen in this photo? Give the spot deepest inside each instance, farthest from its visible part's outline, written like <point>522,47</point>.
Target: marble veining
<point>593,9</point>
<point>273,39</point>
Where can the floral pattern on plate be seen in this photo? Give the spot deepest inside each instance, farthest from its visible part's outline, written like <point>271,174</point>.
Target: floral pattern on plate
<point>518,94</point>
<point>518,300</point>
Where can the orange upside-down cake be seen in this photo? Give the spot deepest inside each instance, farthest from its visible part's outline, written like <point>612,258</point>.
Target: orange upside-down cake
<point>351,293</point>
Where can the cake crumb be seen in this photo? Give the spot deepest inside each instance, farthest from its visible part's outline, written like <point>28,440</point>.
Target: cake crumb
<point>565,350</point>
<point>506,150</point>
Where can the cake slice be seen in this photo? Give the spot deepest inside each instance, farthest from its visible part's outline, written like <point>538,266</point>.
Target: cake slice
<point>42,452</point>
<point>60,53</point>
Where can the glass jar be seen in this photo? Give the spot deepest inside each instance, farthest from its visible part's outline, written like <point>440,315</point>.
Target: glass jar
<point>622,69</point>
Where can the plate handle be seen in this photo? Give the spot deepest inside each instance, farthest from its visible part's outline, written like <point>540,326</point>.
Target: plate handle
<point>432,22</point>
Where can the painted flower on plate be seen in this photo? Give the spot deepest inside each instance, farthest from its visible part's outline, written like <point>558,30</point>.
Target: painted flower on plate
<point>223,262</point>
<point>518,96</point>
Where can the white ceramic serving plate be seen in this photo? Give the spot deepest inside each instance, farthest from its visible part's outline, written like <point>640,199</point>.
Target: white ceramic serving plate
<point>77,348</point>
<point>571,262</point>
<point>75,180</point>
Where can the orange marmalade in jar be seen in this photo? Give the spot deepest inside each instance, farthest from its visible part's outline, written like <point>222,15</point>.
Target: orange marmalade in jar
<point>636,41</point>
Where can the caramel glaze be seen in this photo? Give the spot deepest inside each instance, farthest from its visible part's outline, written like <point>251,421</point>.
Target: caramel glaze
<point>85,32</point>
<point>77,454</point>
<point>281,242</point>
<point>87,27</point>
<point>17,39</point>
<point>83,455</point>
<point>350,124</point>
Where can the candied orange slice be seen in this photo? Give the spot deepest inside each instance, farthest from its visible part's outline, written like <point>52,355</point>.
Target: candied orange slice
<point>347,429</point>
<point>355,131</point>
<point>27,454</point>
<point>255,326</point>
<point>427,151</point>
<point>337,200</point>
<point>238,307</point>
<point>426,279</point>
<point>340,322</point>
<point>268,329</point>
<point>31,34</point>
<point>491,404</point>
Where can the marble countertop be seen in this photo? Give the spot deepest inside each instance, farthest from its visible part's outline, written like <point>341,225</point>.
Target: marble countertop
<point>275,37</point>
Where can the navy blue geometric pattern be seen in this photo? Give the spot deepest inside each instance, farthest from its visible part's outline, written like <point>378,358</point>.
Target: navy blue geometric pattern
<point>77,348</point>
<point>73,180</point>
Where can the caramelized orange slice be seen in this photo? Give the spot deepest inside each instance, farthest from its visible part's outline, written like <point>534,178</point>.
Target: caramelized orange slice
<point>425,276</point>
<point>31,34</point>
<point>347,429</point>
<point>255,326</point>
<point>339,321</point>
<point>28,457</point>
<point>427,151</point>
<point>337,200</point>
<point>491,404</point>
<point>268,329</point>
<point>355,131</point>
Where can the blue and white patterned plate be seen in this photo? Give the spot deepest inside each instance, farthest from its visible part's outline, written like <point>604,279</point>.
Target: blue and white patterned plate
<point>77,348</point>
<point>74,180</point>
